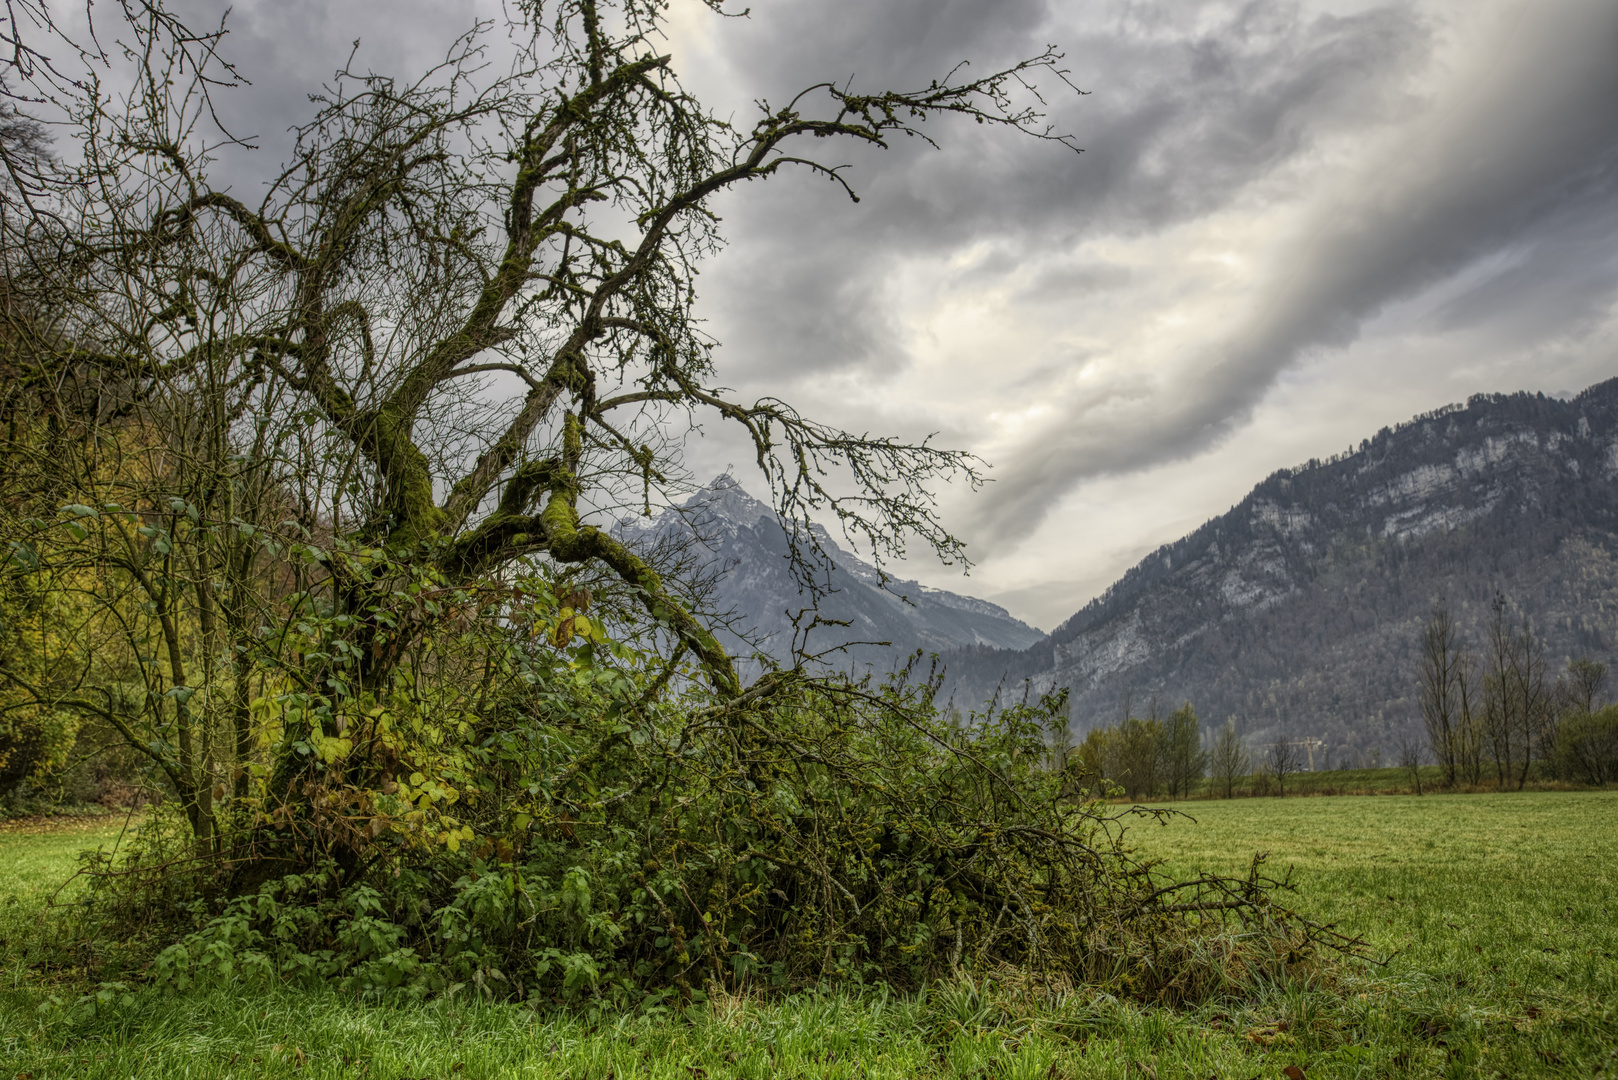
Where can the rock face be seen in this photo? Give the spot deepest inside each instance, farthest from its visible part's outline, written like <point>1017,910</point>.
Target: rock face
<point>1300,609</point>
<point>738,543</point>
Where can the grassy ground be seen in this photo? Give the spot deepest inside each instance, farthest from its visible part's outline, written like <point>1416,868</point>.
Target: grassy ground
<point>36,856</point>
<point>1336,782</point>
<point>1496,908</point>
<point>1379,781</point>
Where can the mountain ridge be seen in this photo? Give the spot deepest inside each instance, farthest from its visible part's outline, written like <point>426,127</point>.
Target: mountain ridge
<point>740,545</point>
<point>1509,492</point>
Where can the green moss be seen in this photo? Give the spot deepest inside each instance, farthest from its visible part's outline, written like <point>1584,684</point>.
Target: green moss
<point>409,482</point>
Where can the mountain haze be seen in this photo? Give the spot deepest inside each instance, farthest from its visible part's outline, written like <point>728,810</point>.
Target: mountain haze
<point>1299,609</point>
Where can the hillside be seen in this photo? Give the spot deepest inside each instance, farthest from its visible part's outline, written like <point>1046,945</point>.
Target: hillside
<point>1299,609</point>
<point>736,542</point>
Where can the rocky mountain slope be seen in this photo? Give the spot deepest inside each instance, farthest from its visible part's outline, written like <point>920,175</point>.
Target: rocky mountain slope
<point>1299,610</point>
<point>736,542</point>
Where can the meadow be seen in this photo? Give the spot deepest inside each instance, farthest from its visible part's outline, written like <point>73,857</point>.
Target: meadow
<point>1491,918</point>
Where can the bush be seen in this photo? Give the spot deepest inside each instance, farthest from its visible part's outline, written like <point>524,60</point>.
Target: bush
<point>1587,746</point>
<point>821,831</point>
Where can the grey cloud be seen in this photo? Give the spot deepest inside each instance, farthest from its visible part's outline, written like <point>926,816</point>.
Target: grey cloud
<point>1555,280</point>
<point>783,47</point>
<point>1175,124</point>
<point>1069,279</point>
<point>289,49</point>
<point>1533,148</point>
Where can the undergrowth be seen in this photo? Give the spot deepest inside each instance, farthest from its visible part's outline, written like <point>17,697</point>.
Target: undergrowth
<point>834,834</point>
<point>1506,971</point>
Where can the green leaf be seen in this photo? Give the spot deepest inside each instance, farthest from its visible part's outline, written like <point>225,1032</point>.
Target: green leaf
<point>24,556</point>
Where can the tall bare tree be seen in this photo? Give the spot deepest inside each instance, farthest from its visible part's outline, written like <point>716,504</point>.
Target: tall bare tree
<point>1440,693</point>
<point>1499,718</point>
<point>1517,696</point>
<point>450,335</point>
<point>1469,735</point>
<point>1184,760</point>
<point>1229,760</point>
<point>1281,760</point>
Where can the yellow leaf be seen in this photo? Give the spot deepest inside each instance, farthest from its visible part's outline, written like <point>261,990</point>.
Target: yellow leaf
<point>332,748</point>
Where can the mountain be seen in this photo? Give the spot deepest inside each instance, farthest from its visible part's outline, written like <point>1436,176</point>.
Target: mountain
<point>738,544</point>
<point>1299,610</point>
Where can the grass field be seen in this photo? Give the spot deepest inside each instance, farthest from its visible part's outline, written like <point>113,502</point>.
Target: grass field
<point>1378,781</point>
<point>36,857</point>
<point>1496,911</point>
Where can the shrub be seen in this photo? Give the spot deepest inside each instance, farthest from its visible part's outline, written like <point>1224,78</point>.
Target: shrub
<point>1587,746</point>
<point>824,830</point>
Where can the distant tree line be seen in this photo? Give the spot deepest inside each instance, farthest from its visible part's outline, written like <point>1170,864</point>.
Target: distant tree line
<point>1493,714</point>
<point>1156,756</point>
<point>1145,757</point>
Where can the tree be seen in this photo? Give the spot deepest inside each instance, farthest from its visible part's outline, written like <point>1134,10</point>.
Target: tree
<point>1499,703</point>
<point>1439,692</point>
<point>322,473</point>
<point>1469,736</point>
<point>1577,694</point>
<point>1133,754</point>
<point>1185,761</point>
<point>1536,706</point>
<point>1138,755</point>
<point>1410,754</point>
<point>1229,759</point>
<point>1061,734</point>
<point>456,325</point>
<point>1581,686</point>
<point>1517,700</point>
<point>1587,746</point>
<point>1089,762</point>
<point>1281,761</point>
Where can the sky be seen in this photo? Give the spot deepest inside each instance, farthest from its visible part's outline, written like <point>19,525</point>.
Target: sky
<point>1292,223</point>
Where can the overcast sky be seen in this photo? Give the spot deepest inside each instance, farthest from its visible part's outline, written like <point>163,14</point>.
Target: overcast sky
<point>1291,225</point>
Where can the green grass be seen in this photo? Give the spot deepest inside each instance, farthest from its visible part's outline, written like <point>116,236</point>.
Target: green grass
<point>37,857</point>
<point>1528,879</point>
<point>1495,908</point>
<point>1347,781</point>
<point>1378,781</point>
<point>1498,910</point>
